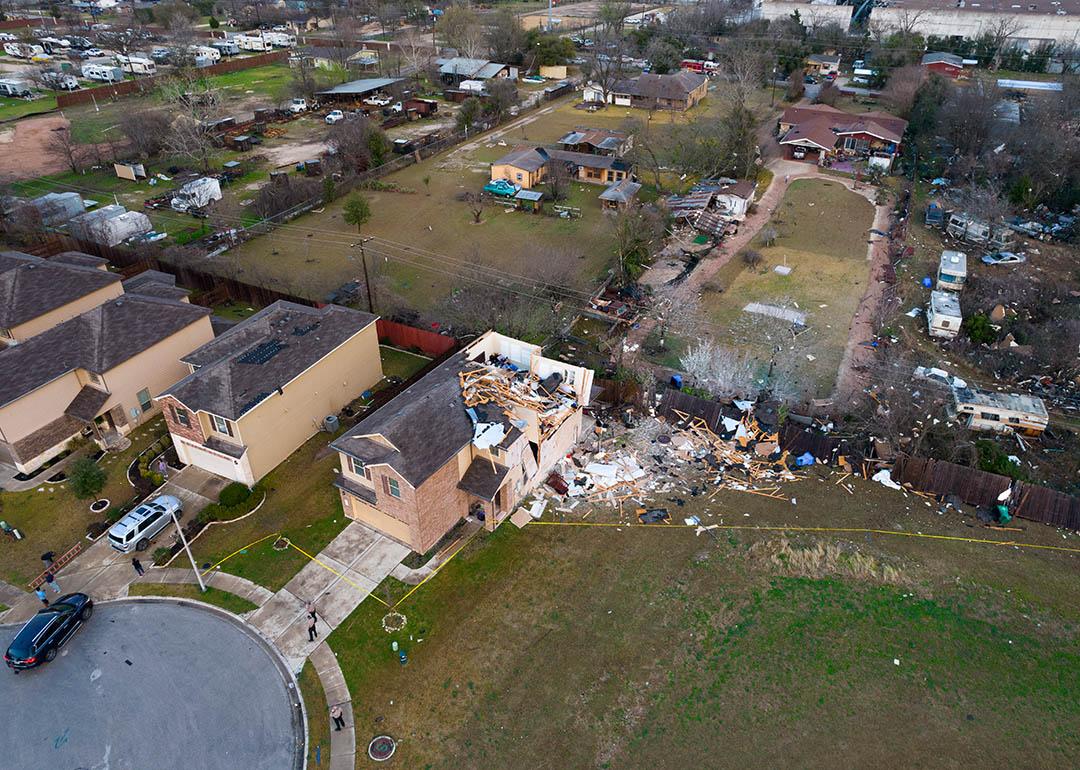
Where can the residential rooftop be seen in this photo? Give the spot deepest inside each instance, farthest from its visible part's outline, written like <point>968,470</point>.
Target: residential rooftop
<point>97,341</point>
<point>31,286</point>
<point>262,354</point>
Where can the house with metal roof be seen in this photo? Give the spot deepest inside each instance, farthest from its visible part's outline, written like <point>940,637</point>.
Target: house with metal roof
<point>253,395</point>
<point>357,88</point>
<point>454,70</point>
<point>95,374</point>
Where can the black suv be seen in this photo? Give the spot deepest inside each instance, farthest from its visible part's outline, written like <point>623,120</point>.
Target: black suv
<point>46,632</point>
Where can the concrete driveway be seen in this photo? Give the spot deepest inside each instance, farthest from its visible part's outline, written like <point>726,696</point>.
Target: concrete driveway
<point>104,573</point>
<point>161,684</point>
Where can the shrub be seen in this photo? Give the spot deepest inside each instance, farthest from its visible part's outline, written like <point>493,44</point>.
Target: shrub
<point>212,512</point>
<point>978,329</point>
<point>162,555</point>
<point>751,258</point>
<point>114,514</point>
<point>87,479</point>
<point>233,495</point>
<point>156,478</point>
<point>95,528</point>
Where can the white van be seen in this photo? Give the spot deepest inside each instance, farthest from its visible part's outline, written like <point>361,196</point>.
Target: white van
<point>135,531</point>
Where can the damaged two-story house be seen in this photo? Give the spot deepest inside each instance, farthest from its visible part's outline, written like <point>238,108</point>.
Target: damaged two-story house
<point>471,437</point>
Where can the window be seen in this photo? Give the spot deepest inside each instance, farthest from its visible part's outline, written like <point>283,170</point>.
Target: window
<point>181,416</point>
<point>221,425</point>
<point>989,416</point>
<point>518,177</point>
<point>5,333</point>
<point>1014,420</point>
<point>358,468</point>
<point>144,399</point>
<point>392,487</point>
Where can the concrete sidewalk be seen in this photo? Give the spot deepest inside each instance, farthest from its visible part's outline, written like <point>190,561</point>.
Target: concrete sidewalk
<point>340,577</point>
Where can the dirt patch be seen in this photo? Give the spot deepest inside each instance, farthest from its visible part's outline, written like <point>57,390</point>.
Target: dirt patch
<point>290,154</point>
<point>26,153</point>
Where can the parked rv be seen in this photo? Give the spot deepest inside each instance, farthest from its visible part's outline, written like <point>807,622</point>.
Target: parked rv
<point>102,73</point>
<point>226,47</point>
<point>252,41</point>
<point>943,316</point>
<point>60,81</point>
<point>952,270</point>
<point>965,228</point>
<point>280,39</point>
<point>14,88</point>
<point>136,65</point>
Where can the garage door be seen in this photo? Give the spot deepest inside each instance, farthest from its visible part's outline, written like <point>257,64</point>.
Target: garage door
<point>216,463</point>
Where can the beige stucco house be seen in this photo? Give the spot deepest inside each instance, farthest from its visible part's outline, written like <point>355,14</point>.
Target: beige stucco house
<point>257,392</point>
<point>37,294</point>
<point>95,374</point>
<point>421,462</point>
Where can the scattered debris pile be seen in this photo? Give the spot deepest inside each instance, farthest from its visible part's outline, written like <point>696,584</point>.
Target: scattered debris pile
<point>504,384</point>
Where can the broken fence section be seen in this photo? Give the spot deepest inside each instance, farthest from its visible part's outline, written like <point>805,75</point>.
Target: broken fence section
<point>1031,501</point>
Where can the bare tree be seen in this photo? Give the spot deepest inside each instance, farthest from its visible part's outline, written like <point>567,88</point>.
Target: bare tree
<point>902,88</point>
<point>194,103</point>
<point>742,68</point>
<point>477,203</point>
<point>62,146</point>
<point>146,131</point>
<point>998,34</point>
<point>720,370</point>
<point>908,22</point>
<point>416,50</point>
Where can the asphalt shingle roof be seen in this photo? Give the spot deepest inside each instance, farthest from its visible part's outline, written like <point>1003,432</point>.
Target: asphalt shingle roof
<point>96,340</point>
<point>247,363</point>
<point>31,286</point>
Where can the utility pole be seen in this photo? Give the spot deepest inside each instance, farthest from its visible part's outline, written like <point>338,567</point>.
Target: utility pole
<point>367,281</point>
<point>549,16</point>
<point>179,531</point>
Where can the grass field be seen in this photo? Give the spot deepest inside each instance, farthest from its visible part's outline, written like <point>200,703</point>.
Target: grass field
<point>12,109</point>
<point>227,601</point>
<point>650,647</point>
<point>312,255</point>
<point>823,231</point>
<point>52,519</point>
<point>90,123</point>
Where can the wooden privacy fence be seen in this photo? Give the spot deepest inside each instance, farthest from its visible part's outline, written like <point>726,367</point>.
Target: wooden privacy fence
<point>409,337</point>
<point>975,487</point>
<point>147,84</point>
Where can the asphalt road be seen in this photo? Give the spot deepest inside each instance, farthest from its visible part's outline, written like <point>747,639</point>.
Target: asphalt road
<point>151,685</point>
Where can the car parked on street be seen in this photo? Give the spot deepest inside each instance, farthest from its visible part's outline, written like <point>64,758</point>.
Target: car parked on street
<point>136,529</point>
<point>45,633</point>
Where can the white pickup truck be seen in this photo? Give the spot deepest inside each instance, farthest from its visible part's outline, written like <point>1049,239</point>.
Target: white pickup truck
<point>334,116</point>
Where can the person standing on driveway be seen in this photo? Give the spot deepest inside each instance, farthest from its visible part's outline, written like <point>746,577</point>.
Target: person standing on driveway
<point>312,631</point>
<point>138,566</point>
<point>40,591</point>
<point>335,714</point>
<point>52,582</point>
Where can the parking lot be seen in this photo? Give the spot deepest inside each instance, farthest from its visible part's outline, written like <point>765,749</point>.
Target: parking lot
<point>153,684</point>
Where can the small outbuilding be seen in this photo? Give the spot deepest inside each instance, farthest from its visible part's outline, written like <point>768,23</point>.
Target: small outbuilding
<point>529,200</point>
<point>620,194</point>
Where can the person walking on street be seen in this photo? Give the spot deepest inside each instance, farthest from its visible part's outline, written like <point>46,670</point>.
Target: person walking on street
<point>138,566</point>
<point>311,611</point>
<point>335,714</point>
<point>52,582</point>
<point>312,631</point>
<point>41,595</point>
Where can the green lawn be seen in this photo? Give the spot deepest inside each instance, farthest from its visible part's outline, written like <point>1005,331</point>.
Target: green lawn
<point>301,504</point>
<point>401,363</point>
<point>235,311</point>
<point>11,109</point>
<point>89,123</point>
<point>227,601</point>
<point>823,232</point>
<point>648,648</point>
<point>52,519</point>
<point>318,715</point>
